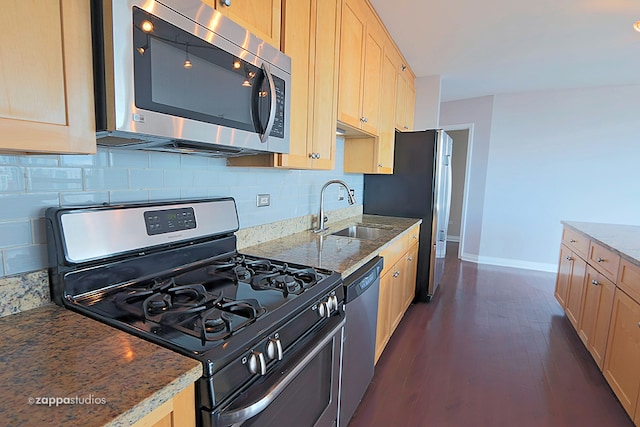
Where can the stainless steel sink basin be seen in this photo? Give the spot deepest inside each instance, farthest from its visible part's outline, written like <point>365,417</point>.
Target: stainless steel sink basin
<point>362,231</point>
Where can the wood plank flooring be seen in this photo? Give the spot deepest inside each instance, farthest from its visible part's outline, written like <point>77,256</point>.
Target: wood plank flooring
<point>492,349</point>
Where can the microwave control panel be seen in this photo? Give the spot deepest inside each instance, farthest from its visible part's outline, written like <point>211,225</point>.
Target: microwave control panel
<point>278,125</point>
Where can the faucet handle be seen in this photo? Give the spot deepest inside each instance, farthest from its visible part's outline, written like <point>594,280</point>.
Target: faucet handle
<point>325,219</point>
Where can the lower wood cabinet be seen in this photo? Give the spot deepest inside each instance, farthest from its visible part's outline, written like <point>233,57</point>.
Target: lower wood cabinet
<point>177,412</point>
<point>576,291</point>
<point>596,313</point>
<point>600,292</point>
<point>622,361</point>
<point>397,286</point>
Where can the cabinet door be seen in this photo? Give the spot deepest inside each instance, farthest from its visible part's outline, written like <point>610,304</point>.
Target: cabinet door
<point>386,136</point>
<point>399,274</point>
<point>46,77</point>
<point>352,42</point>
<point>325,83</point>
<point>373,55</point>
<point>576,291</point>
<point>383,328</point>
<point>260,17</point>
<point>596,313</point>
<point>564,274</point>
<point>621,367</point>
<point>297,43</point>
<point>405,100</point>
<point>412,271</point>
<point>177,412</point>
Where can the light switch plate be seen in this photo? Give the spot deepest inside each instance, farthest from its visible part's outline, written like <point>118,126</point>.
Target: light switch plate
<point>263,200</point>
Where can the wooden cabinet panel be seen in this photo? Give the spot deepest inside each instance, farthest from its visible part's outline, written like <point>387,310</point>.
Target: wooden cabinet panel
<point>373,56</point>
<point>405,100</point>
<point>621,367</point>
<point>46,78</point>
<point>576,241</point>
<point>260,17</point>
<point>383,327</point>
<point>397,285</point>
<point>576,291</point>
<point>605,261</point>
<point>412,272</point>
<point>596,313</point>
<point>351,74</point>
<point>629,279</point>
<point>177,412</point>
<point>565,265</point>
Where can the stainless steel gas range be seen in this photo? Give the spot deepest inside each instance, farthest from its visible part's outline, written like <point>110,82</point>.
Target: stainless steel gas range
<point>268,333</point>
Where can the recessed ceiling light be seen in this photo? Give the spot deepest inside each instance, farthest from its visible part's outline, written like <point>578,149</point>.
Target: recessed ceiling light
<point>636,26</point>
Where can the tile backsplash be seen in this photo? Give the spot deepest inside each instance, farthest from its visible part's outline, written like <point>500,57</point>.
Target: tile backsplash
<point>30,184</point>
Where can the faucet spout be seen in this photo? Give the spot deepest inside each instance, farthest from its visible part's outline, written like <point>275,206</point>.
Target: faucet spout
<point>321,218</point>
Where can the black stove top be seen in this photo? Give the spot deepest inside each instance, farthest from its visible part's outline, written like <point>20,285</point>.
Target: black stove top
<point>200,308</point>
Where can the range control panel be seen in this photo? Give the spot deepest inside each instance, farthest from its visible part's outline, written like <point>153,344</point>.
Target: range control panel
<point>169,220</point>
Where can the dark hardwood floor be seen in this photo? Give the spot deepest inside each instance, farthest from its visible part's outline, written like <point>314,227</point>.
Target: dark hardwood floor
<point>492,349</point>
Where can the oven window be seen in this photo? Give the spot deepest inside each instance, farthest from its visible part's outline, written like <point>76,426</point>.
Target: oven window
<point>179,74</point>
<point>305,399</point>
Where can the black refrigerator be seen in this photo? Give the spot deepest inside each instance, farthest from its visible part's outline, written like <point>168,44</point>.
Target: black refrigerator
<point>420,187</point>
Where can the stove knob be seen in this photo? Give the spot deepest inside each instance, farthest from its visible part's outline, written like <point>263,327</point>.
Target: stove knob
<point>333,302</point>
<point>324,310</point>
<point>256,363</point>
<point>274,349</point>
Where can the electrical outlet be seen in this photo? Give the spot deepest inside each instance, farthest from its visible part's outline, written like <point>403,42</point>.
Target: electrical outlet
<point>340,193</point>
<point>263,200</point>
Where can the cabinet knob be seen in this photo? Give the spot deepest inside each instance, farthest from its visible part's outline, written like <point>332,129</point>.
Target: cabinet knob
<point>569,258</point>
<point>595,282</point>
<point>396,274</point>
<point>314,155</point>
<point>406,127</point>
<point>410,259</point>
<point>225,2</point>
<point>379,165</point>
<point>317,155</point>
<point>572,241</point>
<point>364,120</point>
<point>600,259</point>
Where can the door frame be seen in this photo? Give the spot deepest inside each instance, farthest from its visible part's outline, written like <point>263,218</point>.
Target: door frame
<point>467,174</point>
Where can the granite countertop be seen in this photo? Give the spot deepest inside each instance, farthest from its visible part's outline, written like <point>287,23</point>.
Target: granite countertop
<point>621,239</point>
<point>342,254</point>
<point>114,377</point>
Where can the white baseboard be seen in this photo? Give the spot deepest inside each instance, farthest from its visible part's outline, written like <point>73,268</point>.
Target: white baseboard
<point>512,263</point>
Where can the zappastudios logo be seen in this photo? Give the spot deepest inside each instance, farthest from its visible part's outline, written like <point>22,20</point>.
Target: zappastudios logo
<point>68,400</point>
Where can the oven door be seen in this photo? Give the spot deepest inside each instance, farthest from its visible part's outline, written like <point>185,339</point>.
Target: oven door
<point>302,392</point>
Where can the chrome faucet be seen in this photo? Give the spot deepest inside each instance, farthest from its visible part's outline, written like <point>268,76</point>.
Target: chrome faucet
<point>321,217</point>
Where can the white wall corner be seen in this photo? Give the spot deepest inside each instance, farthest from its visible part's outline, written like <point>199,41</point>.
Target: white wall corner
<point>427,112</point>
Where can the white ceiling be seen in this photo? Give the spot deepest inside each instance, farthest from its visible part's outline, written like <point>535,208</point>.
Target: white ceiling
<point>484,47</point>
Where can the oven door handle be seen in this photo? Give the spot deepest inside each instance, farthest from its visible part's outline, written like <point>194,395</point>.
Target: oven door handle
<point>240,415</point>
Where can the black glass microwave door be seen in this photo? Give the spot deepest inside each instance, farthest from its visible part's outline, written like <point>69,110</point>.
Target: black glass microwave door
<point>178,74</point>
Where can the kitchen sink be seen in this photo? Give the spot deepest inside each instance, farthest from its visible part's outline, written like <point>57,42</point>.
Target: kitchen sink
<point>362,231</point>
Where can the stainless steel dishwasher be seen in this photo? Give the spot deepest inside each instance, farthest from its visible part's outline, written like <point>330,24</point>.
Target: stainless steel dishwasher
<point>358,358</point>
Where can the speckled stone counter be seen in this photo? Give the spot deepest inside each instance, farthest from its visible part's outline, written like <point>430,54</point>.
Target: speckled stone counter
<point>53,352</point>
<point>341,254</point>
<point>621,239</point>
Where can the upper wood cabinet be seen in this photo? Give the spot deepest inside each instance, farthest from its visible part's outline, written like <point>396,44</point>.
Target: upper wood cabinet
<point>370,154</point>
<point>310,36</point>
<point>360,75</point>
<point>260,17</point>
<point>406,98</point>
<point>46,78</point>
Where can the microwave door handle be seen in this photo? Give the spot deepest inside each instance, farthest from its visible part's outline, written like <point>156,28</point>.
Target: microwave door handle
<point>272,107</point>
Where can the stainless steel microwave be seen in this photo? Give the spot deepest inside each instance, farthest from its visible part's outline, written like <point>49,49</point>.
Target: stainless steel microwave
<point>176,75</point>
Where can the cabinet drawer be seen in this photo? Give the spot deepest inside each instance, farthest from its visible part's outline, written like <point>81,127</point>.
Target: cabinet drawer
<point>577,242</point>
<point>603,260</point>
<point>629,279</point>
<point>413,236</point>
<point>394,252</point>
